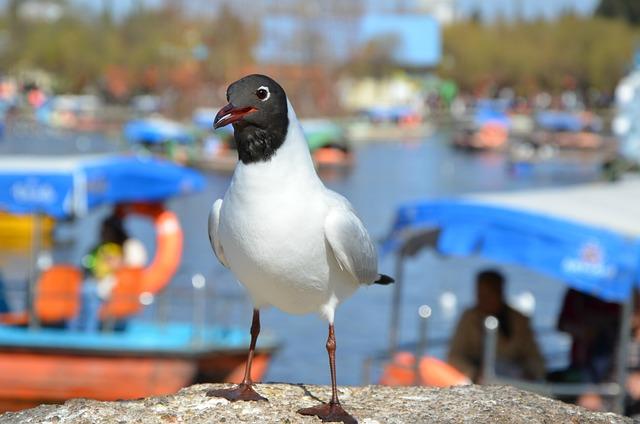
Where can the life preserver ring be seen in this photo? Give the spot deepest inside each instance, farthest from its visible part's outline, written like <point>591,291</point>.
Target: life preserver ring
<point>433,372</point>
<point>169,243</point>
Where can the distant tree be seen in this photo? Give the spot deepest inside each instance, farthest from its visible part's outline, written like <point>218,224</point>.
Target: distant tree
<point>476,16</point>
<point>628,10</point>
<point>579,52</point>
<point>231,41</point>
<point>376,58</point>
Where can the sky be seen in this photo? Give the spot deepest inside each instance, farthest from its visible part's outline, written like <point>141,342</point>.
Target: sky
<point>529,8</point>
<point>490,9</point>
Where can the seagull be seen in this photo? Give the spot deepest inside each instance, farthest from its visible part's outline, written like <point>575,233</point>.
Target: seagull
<point>290,241</point>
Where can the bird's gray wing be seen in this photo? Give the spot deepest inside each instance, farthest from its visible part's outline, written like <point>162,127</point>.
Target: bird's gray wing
<point>351,244</point>
<point>214,220</point>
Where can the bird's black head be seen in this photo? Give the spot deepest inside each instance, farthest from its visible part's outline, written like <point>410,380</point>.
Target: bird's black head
<point>258,111</point>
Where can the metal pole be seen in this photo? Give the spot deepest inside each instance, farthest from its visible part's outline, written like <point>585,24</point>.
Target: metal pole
<point>199,307</point>
<point>33,271</point>
<point>367,365</point>
<point>624,337</point>
<point>395,305</point>
<point>489,349</point>
<point>424,312</point>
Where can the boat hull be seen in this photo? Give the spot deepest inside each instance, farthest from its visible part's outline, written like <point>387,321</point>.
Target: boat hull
<point>29,379</point>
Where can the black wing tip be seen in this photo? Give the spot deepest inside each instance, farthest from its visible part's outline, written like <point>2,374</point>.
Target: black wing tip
<point>384,280</point>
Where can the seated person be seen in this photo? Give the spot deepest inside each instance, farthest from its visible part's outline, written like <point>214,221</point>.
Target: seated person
<point>517,353</point>
<point>593,325</point>
<point>100,264</point>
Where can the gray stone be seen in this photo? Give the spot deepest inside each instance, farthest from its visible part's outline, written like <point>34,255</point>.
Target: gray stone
<point>370,405</point>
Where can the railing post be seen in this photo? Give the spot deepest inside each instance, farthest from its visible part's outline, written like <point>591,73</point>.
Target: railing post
<point>424,313</point>
<point>621,367</point>
<point>489,349</point>
<point>33,271</point>
<point>395,305</point>
<point>199,307</point>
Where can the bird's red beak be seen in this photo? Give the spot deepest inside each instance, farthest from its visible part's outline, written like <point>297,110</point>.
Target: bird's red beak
<point>230,114</point>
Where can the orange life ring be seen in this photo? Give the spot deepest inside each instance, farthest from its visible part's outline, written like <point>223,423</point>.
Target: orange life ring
<point>433,372</point>
<point>169,243</point>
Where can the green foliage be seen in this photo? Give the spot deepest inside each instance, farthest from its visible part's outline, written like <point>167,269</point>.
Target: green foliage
<point>153,48</point>
<point>628,10</point>
<point>147,49</point>
<point>571,52</point>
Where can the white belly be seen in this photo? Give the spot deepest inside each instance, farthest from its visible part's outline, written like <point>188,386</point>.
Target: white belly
<point>275,246</point>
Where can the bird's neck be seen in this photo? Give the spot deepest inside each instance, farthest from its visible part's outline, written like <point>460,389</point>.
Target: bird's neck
<point>290,165</point>
<point>259,144</point>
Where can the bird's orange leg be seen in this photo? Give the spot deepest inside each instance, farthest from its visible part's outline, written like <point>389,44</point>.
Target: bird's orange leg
<point>332,411</point>
<point>244,390</point>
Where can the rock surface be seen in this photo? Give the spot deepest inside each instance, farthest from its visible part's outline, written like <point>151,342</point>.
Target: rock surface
<point>371,404</point>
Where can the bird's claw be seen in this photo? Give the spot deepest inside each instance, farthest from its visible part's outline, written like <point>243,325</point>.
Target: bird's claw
<point>329,412</point>
<point>242,391</point>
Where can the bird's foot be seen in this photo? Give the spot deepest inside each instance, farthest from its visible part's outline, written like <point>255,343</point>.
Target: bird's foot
<point>329,412</point>
<point>242,391</point>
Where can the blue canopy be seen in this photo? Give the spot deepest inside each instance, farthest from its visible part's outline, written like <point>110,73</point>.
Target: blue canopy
<point>71,186</point>
<point>557,120</point>
<point>588,237</point>
<point>491,111</point>
<point>156,131</point>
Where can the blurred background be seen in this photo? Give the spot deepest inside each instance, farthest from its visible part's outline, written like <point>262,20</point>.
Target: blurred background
<point>400,101</point>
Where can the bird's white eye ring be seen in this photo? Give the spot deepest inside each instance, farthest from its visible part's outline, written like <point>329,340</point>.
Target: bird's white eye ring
<point>263,93</point>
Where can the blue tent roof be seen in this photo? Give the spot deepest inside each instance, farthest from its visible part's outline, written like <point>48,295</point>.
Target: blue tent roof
<point>155,131</point>
<point>71,186</point>
<point>588,237</point>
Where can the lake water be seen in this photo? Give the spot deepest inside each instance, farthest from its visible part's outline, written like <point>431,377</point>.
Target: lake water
<point>385,175</point>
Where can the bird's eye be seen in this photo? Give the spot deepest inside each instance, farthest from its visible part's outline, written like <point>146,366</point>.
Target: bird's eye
<point>263,93</point>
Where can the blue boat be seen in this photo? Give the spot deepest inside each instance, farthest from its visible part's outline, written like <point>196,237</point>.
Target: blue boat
<point>587,237</point>
<point>487,129</point>
<point>156,130</point>
<point>42,360</point>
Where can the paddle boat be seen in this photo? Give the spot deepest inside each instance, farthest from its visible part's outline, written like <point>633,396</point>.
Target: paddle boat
<point>162,136</point>
<point>71,112</point>
<point>328,145</point>
<point>42,360</point>
<point>16,231</point>
<point>565,139</point>
<point>577,130</point>
<point>388,123</point>
<point>488,128</point>
<point>587,237</point>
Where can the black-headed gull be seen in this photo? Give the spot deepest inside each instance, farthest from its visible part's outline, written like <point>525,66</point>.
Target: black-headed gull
<point>289,240</point>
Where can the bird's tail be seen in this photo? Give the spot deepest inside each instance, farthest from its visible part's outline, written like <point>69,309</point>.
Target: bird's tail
<point>384,280</point>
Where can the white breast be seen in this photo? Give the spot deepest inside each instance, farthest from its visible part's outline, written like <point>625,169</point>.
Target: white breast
<point>272,231</point>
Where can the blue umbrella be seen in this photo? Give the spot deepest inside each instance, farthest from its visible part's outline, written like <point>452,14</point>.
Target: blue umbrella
<point>71,186</point>
<point>156,131</point>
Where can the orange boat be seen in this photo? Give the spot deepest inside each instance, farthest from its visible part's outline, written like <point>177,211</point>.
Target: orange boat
<point>43,361</point>
<point>54,365</point>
